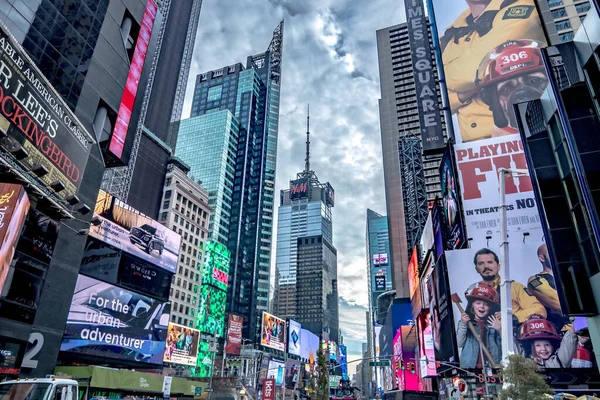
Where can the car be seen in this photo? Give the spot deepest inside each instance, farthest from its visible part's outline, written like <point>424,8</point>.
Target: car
<point>147,237</point>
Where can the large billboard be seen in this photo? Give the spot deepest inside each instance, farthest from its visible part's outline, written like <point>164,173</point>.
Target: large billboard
<point>543,333</point>
<point>181,345</point>
<point>233,343</point>
<point>14,206</point>
<point>35,117</point>
<point>294,340</point>
<point>413,273</point>
<point>430,120</point>
<point>129,230</point>
<point>426,349</point>
<point>343,361</point>
<point>299,188</point>
<point>276,370</point>
<point>111,322</point>
<point>211,317</point>
<point>454,232</point>
<point>490,53</point>
<point>272,332</point>
<point>309,343</point>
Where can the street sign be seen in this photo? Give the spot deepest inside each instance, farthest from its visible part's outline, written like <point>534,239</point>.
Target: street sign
<point>379,364</point>
<point>198,391</point>
<point>208,390</point>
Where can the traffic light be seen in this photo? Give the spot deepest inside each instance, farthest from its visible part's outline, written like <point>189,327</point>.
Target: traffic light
<point>411,367</point>
<point>460,384</point>
<point>402,364</point>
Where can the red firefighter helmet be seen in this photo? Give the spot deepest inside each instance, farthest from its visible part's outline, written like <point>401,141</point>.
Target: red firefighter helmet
<point>483,291</point>
<point>513,57</point>
<point>538,328</point>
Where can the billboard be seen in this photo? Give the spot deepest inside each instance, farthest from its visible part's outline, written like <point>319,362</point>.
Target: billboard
<point>430,120</point>
<point>397,361</point>
<point>380,282</point>
<point>427,239</point>
<point>329,195</point>
<point>478,164</point>
<point>35,117</point>
<point>344,361</point>
<point>294,340</point>
<point>272,332</point>
<point>127,229</point>
<point>39,236</point>
<point>413,273</point>
<point>14,206</point>
<point>380,259</point>
<point>233,343</point>
<point>426,349</point>
<point>491,60</point>
<point>181,345</point>
<point>276,371</point>
<point>409,344</point>
<point>454,232</point>
<point>543,333</point>
<point>438,234</point>
<point>111,322</point>
<point>211,317</point>
<point>299,188</point>
<point>118,138</point>
<point>331,347</point>
<point>268,389</point>
<point>309,345</point>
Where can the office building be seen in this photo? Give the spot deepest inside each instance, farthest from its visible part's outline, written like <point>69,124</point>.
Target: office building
<point>407,173</point>
<point>317,287</point>
<point>158,107</point>
<point>185,210</point>
<point>305,210</point>
<point>562,18</point>
<point>250,94</point>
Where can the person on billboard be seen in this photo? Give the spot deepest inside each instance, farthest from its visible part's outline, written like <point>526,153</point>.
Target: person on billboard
<point>449,199</point>
<point>483,26</point>
<point>524,305</point>
<point>511,73</point>
<point>483,303</point>
<point>542,343</point>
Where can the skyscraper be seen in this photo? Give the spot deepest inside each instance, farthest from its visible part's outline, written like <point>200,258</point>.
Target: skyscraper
<point>379,272</point>
<point>407,173</point>
<point>304,210</point>
<point>249,96</point>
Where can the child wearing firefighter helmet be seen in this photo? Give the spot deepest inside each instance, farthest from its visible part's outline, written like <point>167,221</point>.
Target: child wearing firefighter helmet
<point>483,303</point>
<point>542,343</point>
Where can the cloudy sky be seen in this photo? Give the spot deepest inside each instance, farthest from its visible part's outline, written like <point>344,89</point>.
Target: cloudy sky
<point>329,61</point>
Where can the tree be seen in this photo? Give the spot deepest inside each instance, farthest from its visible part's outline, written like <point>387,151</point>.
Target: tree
<point>322,372</point>
<point>525,383</point>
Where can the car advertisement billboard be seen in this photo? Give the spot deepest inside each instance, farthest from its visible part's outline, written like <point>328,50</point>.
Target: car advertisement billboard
<point>127,229</point>
<point>309,345</point>
<point>543,333</point>
<point>272,332</point>
<point>181,345</point>
<point>299,188</point>
<point>14,206</point>
<point>233,343</point>
<point>35,118</point>
<point>276,371</point>
<point>454,232</point>
<point>426,348</point>
<point>490,53</point>
<point>294,340</point>
<point>111,322</point>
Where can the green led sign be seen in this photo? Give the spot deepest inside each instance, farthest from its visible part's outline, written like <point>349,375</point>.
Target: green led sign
<point>212,310</point>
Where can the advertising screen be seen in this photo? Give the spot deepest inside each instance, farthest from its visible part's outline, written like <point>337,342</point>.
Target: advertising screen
<point>216,265</point>
<point>111,322</point>
<point>427,239</point>
<point>10,352</point>
<point>454,234</point>
<point>181,345</point>
<point>380,259</point>
<point>329,195</point>
<point>293,369</point>
<point>330,346</point>
<point>397,358</point>
<point>235,324</point>
<point>413,273</point>
<point>14,205</point>
<point>309,343</point>
<point>268,389</point>
<point>299,188</point>
<point>276,371</point>
<point>294,340</point>
<point>36,118</point>
<point>343,361</point>
<point>543,332</point>
<point>426,348</point>
<point>380,282</point>
<point>409,344</point>
<point>376,336</point>
<point>211,318</point>
<point>127,229</point>
<point>39,236</point>
<point>438,235</point>
<point>272,332</point>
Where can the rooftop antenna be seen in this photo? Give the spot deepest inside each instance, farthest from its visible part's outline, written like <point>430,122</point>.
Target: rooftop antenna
<point>307,160</point>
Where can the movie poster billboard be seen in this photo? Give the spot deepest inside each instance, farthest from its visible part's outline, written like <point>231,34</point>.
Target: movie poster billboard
<point>454,232</point>
<point>181,345</point>
<point>294,338</point>
<point>272,332</point>
<point>491,58</point>
<point>309,343</point>
<point>426,348</point>
<point>127,229</point>
<point>233,342</point>
<point>111,322</point>
<point>543,333</point>
<point>14,206</point>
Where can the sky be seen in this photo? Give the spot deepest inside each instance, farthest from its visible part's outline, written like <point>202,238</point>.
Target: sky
<point>329,61</point>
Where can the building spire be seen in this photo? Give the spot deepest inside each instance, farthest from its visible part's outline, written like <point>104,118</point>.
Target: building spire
<point>307,159</point>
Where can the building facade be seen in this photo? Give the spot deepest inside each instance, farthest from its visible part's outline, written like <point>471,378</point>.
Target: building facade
<point>185,210</point>
<point>562,18</point>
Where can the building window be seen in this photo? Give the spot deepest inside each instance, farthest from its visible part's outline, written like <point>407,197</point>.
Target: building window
<point>582,8</point>
<point>562,25</point>
<point>559,13</point>
<point>166,204</point>
<point>163,216</point>
<point>565,37</point>
<point>554,3</point>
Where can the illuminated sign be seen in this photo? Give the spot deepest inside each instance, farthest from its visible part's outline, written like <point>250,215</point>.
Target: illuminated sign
<point>14,205</point>
<point>220,276</point>
<point>213,292</point>
<point>181,345</point>
<point>380,282</point>
<point>299,189</point>
<point>273,332</point>
<point>380,259</point>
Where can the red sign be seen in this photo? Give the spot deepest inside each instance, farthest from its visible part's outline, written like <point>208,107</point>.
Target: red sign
<point>413,273</point>
<point>117,141</point>
<point>14,206</point>
<point>234,334</point>
<point>220,276</point>
<point>268,390</point>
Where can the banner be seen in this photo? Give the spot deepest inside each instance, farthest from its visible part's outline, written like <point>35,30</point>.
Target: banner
<point>233,343</point>
<point>14,206</point>
<point>181,345</point>
<point>294,338</point>
<point>272,332</point>
<point>542,332</point>
<point>110,322</point>
<point>454,233</point>
<point>268,389</point>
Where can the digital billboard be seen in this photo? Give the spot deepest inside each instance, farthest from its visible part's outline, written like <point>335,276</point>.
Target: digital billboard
<point>343,361</point>
<point>276,371</point>
<point>272,332</point>
<point>309,343</point>
<point>14,206</point>
<point>111,322</point>
<point>329,195</point>
<point>453,232</point>
<point>39,236</point>
<point>543,333</point>
<point>294,340</point>
<point>293,369</point>
<point>181,345</point>
<point>331,347</point>
<point>299,188</point>
<point>211,317</point>
<point>36,118</point>
<point>426,349</point>
<point>380,282</point>
<point>397,361</point>
<point>427,239</point>
<point>233,343</point>
<point>380,259</point>
<point>127,229</point>
<point>438,234</point>
<point>413,273</point>
<point>215,271</point>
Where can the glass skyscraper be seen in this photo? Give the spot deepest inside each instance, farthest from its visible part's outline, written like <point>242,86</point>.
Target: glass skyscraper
<point>246,97</point>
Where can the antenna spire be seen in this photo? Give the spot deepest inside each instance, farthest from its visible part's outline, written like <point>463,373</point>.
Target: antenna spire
<point>307,160</point>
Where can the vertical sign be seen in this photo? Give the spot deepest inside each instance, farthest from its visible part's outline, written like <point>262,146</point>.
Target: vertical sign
<point>425,83</point>
<point>268,391</point>
<point>234,334</point>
